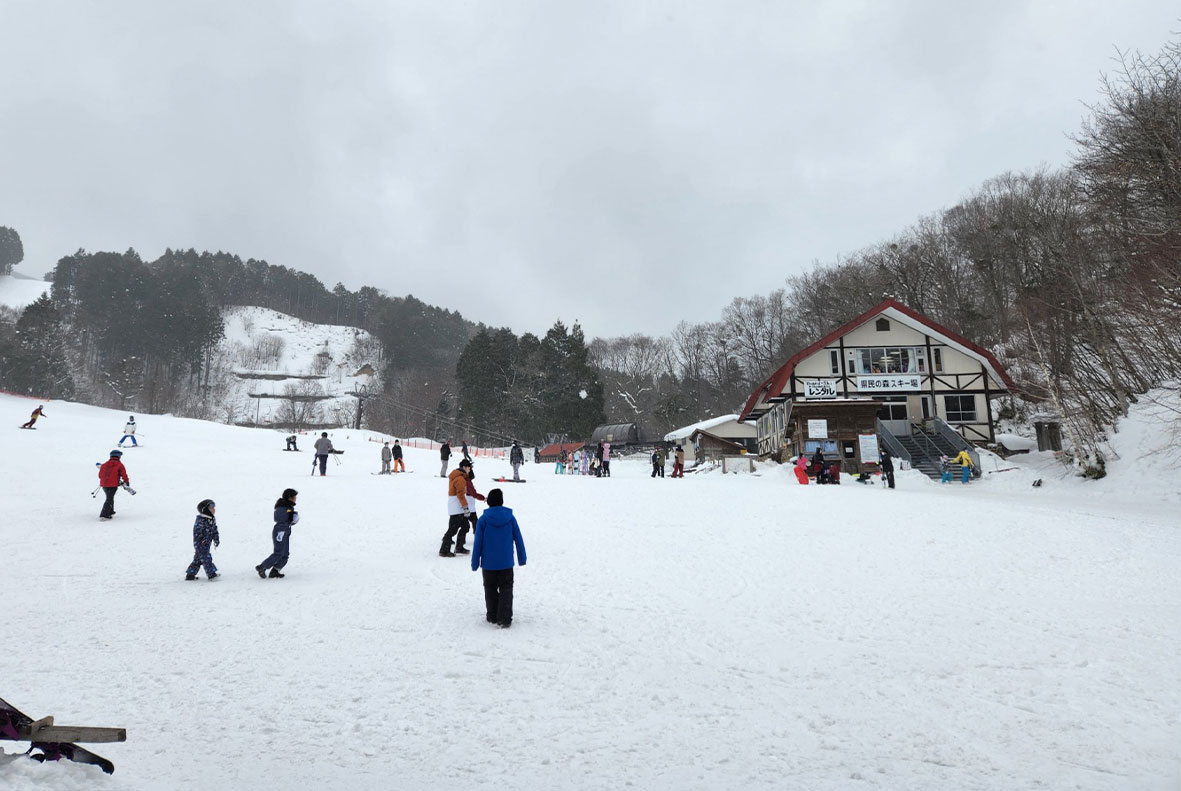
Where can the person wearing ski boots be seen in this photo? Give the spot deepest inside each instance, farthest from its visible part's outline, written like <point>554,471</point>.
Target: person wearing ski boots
<point>129,432</point>
<point>497,533</point>
<point>285,519</point>
<point>204,534</point>
<point>111,475</point>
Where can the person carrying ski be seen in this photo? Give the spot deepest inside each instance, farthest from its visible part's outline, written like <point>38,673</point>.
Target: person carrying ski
<point>399,466</point>
<point>323,448</point>
<point>965,460</point>
<point>38,412</point>
<point>129,432</point>
<point>387,455</point>
<point>204,534</point>
<point>678,463</point>
<point>286,518</point>
<point>444,455</point>
<point>516,457</point>
<point>458,508</point>
<point>111,475</point>
<point>497,534</point>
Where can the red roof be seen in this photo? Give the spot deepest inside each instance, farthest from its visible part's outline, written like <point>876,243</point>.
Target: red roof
<point>777,381</point>
<point>554,448</point>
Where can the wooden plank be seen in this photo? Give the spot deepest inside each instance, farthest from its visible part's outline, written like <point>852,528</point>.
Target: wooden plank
<point>72,733</point>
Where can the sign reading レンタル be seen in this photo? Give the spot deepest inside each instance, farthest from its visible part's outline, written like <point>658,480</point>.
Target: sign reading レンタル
<point>876,383</point>
<point>820,388</point>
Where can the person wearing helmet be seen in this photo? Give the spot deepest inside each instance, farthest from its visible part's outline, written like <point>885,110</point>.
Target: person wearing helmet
<point>129,432</point>
<point>38,412</point>
<point>111,474</point>
<point>204,534</point>
<point>286,518</point>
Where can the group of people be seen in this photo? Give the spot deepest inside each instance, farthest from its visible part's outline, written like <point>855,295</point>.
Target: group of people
<point>205,537</point>
<point>497,535</point>
<point>445,456</point>
<point>658,459</point>
<point>583,462</point>
<point>112,474</point>
<point>966,466</point>
<point>392,455</point>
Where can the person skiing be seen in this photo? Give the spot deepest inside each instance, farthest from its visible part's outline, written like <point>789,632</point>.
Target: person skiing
<point>516,457</point>
<point>38,412</point>
<point>399,466</point>
<point>444,455</point>
<point>204,534</point>
<point>387,455</point>
<point>888,468</point>
<point>129,432</point>
<point>286,518</point>
<point>678,463</point>
<point>497,533</point>
<point>323,448</point>
<point>458,508</point>
<point>111,475</point>
<point>962,458</point>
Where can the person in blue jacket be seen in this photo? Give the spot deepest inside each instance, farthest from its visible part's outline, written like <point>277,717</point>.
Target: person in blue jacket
<point>285,519</point>
<point>497,533</point>
<point>204,534</point>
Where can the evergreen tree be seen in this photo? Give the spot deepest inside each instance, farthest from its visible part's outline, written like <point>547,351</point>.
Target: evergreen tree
<point>12,252</point>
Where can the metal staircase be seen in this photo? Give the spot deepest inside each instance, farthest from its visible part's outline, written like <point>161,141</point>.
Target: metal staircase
<point>926,443</point>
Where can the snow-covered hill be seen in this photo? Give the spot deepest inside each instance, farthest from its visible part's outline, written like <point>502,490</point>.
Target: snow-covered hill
<point>267,356</point>
<point>713,632</point>
<point>18,292</point>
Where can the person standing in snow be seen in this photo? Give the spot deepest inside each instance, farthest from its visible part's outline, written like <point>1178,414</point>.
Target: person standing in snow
<point>286,518</point>
<point>323,448</point>
<point>963,459</point>
<point>678,463</point>
<point>606,459</point>
<point>399,466</point>
<point>458,508</point>
<point>944,469</point>
<point>657,463</point>
<point>472,497</point>
<point>387,455</point>
<point>38,412</point>
<point>110,476</point>
<point>129,432</point>
<point>466,455</point>
<point>444,455</point>
<point>516,457</point>
<point>204,534</point>
<point>497,534</point>
<point>888,468</point>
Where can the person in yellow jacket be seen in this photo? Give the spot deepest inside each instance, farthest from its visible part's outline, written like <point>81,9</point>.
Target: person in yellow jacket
<point>964,459</point>
<point>458,510</point>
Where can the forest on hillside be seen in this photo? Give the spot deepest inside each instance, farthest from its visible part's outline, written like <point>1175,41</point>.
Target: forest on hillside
<point>1071,276</point>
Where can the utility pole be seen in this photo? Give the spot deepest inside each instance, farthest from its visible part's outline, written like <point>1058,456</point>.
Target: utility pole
<point>362,392</point>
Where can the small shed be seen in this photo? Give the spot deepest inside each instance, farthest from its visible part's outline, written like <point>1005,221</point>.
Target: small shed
<point>616,434</point>
<point>725,427</point>
<point>710,447</point>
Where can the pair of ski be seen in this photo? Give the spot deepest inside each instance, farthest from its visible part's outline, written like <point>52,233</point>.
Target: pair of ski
<point>56,741</point>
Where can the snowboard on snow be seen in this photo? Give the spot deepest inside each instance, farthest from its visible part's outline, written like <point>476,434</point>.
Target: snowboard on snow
<point>508,480</point>
<point>15,725</point>
<point>30,428</point>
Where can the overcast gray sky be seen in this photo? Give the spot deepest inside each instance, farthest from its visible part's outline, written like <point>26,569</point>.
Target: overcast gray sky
<point>621,164</point>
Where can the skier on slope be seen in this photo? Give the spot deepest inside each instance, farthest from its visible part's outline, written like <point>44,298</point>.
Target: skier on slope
<point>38,412</point>
<point>323,448</point>
<point>204,534</point>
<point>111,474</point>
<point>129,432</point>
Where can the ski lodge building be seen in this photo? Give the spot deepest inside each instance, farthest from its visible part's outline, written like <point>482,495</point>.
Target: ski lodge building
<point>892,372</point>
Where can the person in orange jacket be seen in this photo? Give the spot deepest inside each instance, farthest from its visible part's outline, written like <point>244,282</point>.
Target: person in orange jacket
<point>111,475</point>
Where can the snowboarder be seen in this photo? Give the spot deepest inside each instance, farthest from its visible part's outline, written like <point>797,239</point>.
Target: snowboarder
<point>458,508</point>
<point>387,456</point>
<point>129,432</point>
<point>399,465</point>
<point>204,534</point>
<point>962,458</point>
<point>291,443</point>
<point>444,455</point>
<point>678,463</point>
<point>888,468</point>
<point>323,449</point>
<point>111,475</point>
<point>286,518</point>
<point>38,412</point>
<point>497,533</point>
<point>516,457</point>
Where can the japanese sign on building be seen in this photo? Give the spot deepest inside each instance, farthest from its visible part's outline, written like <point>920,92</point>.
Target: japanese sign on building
<point>869,447</point>
<point>820,388</point>
<point>817,429</point>
<point>877,383</point>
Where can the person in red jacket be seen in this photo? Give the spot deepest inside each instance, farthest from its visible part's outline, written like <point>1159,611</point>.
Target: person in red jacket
<point>110,475</point>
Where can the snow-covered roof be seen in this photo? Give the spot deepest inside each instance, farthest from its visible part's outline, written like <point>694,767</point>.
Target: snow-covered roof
<point>684,432</point>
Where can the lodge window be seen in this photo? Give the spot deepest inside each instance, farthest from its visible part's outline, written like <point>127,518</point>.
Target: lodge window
<point>937,360</point>
<point>960,408</point>
<point>834,361</point>
<point>900,360</point>
<point>883,325</point>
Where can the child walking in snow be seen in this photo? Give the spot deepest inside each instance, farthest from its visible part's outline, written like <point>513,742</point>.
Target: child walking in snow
<point>497,534</point>
<point>285,519</point>
<point>204,534</point>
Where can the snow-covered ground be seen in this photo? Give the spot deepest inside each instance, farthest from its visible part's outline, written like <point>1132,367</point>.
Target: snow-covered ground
<point>18,292</point>
<point>715,632</point>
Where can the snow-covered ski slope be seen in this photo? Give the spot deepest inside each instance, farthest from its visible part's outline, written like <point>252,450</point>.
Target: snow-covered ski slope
<point>714,632</point>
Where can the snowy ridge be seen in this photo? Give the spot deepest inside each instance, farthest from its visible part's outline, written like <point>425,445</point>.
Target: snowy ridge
<point>712,632</point>
<point>19,292</point>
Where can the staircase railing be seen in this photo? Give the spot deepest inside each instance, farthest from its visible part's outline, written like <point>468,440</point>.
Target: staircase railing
<point>926,446</point>
<point>891,444</point>
<point>956,440</point>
